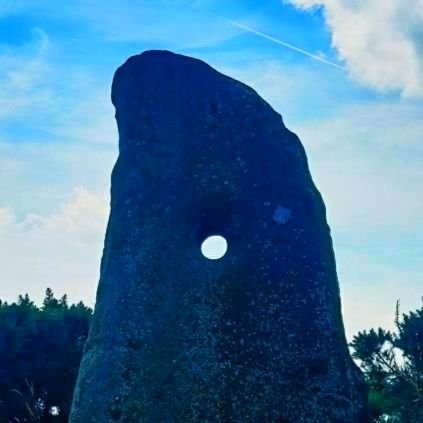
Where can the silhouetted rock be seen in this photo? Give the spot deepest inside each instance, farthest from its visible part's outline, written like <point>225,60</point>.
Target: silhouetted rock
<point>256,336</point>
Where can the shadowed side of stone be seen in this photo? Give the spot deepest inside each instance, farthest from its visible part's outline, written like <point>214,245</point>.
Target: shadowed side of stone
<point>256,336</point>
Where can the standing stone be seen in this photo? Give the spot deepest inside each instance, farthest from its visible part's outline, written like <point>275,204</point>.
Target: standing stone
<point>256,336</point>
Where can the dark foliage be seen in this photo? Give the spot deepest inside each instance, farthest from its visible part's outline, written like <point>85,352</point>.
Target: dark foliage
<point>393,366</point>
<point>41,348</point>
<point>40,352</point>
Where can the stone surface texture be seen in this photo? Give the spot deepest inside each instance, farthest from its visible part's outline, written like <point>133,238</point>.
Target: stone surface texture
<point>256,336</point>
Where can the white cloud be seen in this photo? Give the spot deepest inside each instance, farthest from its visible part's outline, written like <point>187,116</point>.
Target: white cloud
<point>61,250</point>
<point>380,41</point>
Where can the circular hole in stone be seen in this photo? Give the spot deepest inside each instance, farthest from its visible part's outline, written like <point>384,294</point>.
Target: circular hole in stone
<point>214,247</point>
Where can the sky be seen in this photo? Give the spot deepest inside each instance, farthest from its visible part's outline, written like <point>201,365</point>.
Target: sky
<point>347,77</point>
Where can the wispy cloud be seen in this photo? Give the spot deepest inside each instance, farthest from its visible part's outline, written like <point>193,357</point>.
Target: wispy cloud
<point>23,78</point>
<point>366,159</point>
<point>66,103</point>
<point>158,23</point>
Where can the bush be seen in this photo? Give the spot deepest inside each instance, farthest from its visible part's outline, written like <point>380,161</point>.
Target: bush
<point>393,366</point>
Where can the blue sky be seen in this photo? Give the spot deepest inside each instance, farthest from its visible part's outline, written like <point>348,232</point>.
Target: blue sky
<point>361,126</point>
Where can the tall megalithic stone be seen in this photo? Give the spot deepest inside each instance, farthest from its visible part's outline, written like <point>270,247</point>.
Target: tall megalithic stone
<point>256,336</point>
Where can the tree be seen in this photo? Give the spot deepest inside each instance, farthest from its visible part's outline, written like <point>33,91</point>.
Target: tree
<point>393,366</point>
<point>50,302</point>
<point>40,352</point>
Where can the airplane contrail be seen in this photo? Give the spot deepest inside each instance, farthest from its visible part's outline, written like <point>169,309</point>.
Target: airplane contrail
<point>284,44</point>
<point>270,38</point>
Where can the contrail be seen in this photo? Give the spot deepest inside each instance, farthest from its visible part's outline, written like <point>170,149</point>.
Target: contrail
<point>284,44</point>
<point>269,37</point>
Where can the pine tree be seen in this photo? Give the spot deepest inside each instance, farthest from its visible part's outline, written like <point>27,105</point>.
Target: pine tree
<point>50,302</point>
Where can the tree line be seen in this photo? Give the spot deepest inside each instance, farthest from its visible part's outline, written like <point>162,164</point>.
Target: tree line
<point>41,348</point>
<point>40,351</point>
